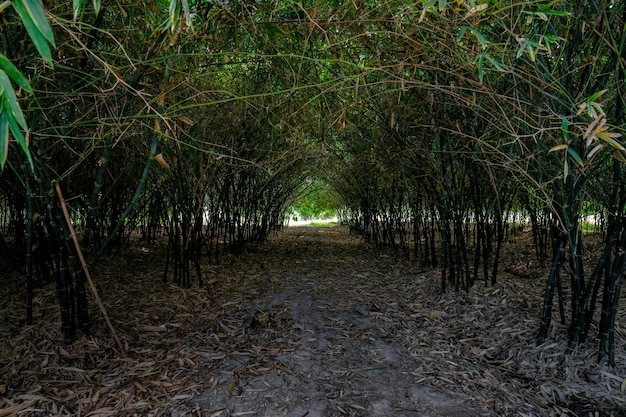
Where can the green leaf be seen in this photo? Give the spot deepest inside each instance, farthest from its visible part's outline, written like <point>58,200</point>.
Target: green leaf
<point>96,6</point>
<point>21,140</point>
<point>174,11</point>
<point>272,30</point>
<point>595,109</point>
<point>614,143</point>
<point>495,63</point>
<point>575,156</point>
<point>41,43</point>
<point>520,50</point>
<point>4,138</point>
<point>481,38</point>
<point>4,5</point>
<point>77,8</point>
<point>10,100</point>
<point>481,72</point>
<point>442,4</point>
<point>551,12</point>
<point>187,12</point>
<point>597,95</point>
<point>565,127</point>
<point>461,33</point>
<point>37,14</point>
<point>14,73</point>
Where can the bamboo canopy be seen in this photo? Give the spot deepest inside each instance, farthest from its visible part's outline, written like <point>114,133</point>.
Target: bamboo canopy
<point>438,123</point>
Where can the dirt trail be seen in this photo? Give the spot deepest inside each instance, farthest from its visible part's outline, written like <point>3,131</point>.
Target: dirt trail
<point>348,358</point>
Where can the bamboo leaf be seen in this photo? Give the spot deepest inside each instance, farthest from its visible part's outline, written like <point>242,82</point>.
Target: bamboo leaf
<point>479,8</point>
<point>564,127</point>
<point>481,38</point>
<point>21,140</point>
<point>461,33</point>
<point>174,11</point>
<point>77,8</point>
<point>521,49</point>
<point>595,150</point>
<point>38,16</point>
<point>10,100</point>
<point>613,143</point>
<point>620,157</point>
<point>596,108</point>
<point>4,5</point>
<point>558,148</point>
<point>187,12</point>
<point>590,128</point>
<point>97,4</point>
<point>186,120</point>
<point>161,161</point>
<point>10,69</point>
<point>575,156</point>
<point>495,63</point>
<point>597,95</point>
<point>442,4</point>
<point>39,40</point>
<point>551,12</point>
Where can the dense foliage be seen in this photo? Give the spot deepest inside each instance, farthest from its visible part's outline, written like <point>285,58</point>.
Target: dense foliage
<point>437,123</point>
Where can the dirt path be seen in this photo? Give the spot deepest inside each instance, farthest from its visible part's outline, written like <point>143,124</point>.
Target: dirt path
<point>348,359</point>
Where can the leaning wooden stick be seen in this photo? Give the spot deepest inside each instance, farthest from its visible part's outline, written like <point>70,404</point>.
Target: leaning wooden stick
<point>86,270</point>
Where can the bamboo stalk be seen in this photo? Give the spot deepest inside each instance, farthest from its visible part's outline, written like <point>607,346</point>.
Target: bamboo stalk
<point>94,290</point>
<point>29,254</point>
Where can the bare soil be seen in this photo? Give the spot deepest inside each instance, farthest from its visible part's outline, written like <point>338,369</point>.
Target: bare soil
<point>313,323</point>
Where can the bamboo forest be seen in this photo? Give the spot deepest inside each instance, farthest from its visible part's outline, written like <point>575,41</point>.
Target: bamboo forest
<point>158,158</point>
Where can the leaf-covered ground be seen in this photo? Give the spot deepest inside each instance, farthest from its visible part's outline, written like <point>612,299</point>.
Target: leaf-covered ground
<point>314,323</point>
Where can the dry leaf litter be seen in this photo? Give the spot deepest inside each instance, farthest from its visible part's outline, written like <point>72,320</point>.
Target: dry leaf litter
<point>313,323</point>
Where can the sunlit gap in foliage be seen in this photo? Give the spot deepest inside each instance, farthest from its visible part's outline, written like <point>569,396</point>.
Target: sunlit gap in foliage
<point>315,203</point>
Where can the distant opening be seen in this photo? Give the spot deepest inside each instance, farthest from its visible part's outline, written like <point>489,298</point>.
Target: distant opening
<point>316,203</point>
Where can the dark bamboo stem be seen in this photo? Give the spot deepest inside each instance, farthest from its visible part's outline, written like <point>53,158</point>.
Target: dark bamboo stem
<point>94,290</point>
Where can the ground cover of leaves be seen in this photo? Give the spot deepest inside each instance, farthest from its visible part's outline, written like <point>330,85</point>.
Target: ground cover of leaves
<point>313,323</point>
